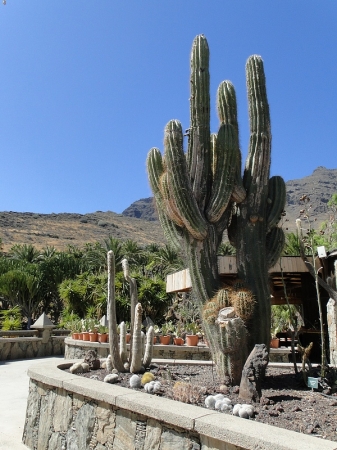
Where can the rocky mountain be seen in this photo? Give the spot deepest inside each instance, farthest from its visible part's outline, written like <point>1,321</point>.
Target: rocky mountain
<point>319,186</point>
<point>140,221</point>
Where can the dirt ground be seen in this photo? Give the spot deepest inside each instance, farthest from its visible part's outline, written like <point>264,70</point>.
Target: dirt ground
<point>286,402</point>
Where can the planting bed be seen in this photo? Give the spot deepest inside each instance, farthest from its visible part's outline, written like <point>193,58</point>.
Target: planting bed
<point>286,401</point>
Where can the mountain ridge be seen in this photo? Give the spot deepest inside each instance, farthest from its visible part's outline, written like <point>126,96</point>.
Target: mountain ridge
<point>140,221</point>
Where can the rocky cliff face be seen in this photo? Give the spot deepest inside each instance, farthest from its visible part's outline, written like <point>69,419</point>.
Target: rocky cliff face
<point>319,186</point>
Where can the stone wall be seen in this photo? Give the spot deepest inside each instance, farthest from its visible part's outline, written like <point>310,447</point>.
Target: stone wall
<point>76,349</point>
<point>332,330</point>
<point>68,412</point>
<point>25,347</point>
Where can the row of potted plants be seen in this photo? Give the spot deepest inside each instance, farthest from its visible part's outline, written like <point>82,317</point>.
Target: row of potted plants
<point>89,330</point>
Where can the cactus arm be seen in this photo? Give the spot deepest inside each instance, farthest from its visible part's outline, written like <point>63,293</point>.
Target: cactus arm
<point>171,208</point>
<point>155,170</point>
<point>148,347</point>
<point>179,184</point>
<point>276,200</point>
<point>275,241</point>
<point>227,112</point>
<point>136,359</point>
<point>226,151</point>
<point>113,335</point>
<point>198,156</point>
<point>122,343</point>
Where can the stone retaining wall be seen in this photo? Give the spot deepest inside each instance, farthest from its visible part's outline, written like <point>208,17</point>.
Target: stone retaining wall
<point>30,347</point>
<point>332,329</point>
<point>68,412</point>
<point>76,349</point>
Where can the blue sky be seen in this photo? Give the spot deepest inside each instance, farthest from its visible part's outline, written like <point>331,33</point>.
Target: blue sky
<point>88,86</point>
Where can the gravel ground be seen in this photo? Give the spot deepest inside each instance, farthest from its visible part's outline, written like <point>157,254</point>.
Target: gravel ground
<point>286,402</point>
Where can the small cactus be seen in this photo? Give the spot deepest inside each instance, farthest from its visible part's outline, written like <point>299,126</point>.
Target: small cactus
<point>108,364</point>
<point>111,378</point>
<point>147,377</point>
<point>135,382</point>
<point>153,387</point>
<point>186,392</point>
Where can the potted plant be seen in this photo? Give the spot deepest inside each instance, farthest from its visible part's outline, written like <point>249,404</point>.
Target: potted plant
<point>166,330</point>
<point>192,338</point>
<point>75,327</point>
<point>156,330</point>
<point>85,330</point>
<point>102,334</point>
<point>178,340</point>
<point>93,333</point>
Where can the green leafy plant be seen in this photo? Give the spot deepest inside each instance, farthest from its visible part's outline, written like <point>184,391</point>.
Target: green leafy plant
<point>167,328</point>
<point>11,319</point>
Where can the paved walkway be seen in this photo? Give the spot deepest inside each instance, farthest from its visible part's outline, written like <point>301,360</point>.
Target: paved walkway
<point>14,384</point>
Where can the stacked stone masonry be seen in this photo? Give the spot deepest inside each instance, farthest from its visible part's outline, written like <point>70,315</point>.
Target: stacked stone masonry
<point>67,412</point>
<point>23,347</point>
<point>332,329</point>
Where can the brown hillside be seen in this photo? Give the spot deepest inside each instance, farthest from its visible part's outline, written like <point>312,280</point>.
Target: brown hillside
<point>139,221</point>
<point>61,230</point>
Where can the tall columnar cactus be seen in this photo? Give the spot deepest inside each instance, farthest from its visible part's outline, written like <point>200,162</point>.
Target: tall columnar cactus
<point>197,194</point>
<point>253,230</point>
<point>113,335</point>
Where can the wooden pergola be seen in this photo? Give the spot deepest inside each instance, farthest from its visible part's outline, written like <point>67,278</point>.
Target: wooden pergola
<point>288,272</point>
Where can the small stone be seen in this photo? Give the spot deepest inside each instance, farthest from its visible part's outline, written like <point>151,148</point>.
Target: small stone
<point>224,389</point>
<point>235,389</point>
<point>114,371</point>
<point>333,403</point>
<point>264,401</point>
<point>297,408</point>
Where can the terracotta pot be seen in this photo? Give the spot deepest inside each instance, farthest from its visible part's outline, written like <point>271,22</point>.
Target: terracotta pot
<point>178,341</point>
<point>154,339</point>
<point>85,336</point>
<point>102,337</point>
<point>93,337</point>
<point>75,336</point>
<point>275,343</point>
<point>80,336</point>
<point>192,339</point>
<point>128,337</point>
<point>165,340</point>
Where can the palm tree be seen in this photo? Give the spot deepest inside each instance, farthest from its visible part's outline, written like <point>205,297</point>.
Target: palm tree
<point>25,252</point>
<point>22,289</point>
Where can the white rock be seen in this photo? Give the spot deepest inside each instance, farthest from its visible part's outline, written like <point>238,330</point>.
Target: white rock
<point>85,367</point>
<point>111,378</point>
<point>76,368</point>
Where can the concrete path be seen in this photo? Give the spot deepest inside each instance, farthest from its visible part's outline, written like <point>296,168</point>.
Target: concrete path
<point>14,384</point>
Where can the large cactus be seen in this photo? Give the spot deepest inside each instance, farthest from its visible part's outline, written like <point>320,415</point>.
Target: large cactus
<point>196,194</point>
<point>254,231</point>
